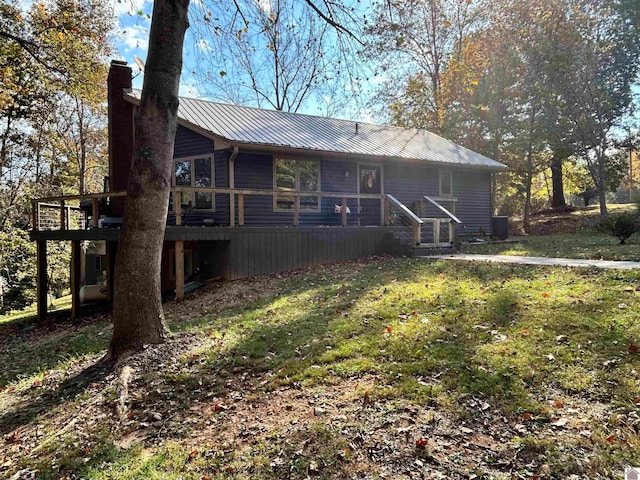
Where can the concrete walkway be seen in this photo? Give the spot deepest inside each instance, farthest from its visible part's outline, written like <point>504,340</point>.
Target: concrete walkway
<point>551,262</point>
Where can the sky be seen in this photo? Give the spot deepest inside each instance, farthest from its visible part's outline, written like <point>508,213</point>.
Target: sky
<point>133,23</point>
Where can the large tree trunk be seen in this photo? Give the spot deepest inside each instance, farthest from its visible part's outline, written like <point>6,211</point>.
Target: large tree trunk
<point>557,183</point>
<point>138,317</point>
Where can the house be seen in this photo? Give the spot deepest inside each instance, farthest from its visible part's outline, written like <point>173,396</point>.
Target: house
<point>258,191</point>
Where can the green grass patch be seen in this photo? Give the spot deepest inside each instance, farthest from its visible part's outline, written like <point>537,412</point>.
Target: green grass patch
<point>586,244</point>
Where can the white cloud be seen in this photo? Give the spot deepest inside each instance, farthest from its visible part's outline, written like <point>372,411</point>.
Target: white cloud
<point>134,38</point>
<point>131,7</point>
<point>265,5</point>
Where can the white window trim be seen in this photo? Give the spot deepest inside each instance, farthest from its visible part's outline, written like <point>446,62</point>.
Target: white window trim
<point>440,174</point>
<point>283,191</point>
<point>213,177</point>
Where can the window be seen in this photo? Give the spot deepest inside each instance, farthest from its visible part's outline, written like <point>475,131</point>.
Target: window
<point>194,172</point>
<point>446,184</point>
<point>300,175</point>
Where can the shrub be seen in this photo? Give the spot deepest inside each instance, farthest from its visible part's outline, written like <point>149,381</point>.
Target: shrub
<point>621,225</point>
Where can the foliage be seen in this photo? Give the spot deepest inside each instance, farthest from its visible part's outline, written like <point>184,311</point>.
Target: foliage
<point>18,276</point>
<point>621,225</point>
<point>530,84</point>
<point>52,117</point>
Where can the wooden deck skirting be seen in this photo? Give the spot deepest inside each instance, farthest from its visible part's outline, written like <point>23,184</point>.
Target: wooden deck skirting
<point>244,251</point>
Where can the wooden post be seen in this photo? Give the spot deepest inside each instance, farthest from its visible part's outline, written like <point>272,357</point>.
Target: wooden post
<point>232,196</point>
<point>68,217</point>
<point>63,215</point>
<point>94,212</point>
<point>296,210</point>
<point>240,209</point>
<point>34,216</point>
<point>436,229</point>
<point>417,240</point>
<point>177,206</point>
<point>385,210</point>
<point>179,259</point>
<point>452,232</point>
<point>41,278</point>
<point>112,248</point>
<point>343,210</point>
<point>74,278</point>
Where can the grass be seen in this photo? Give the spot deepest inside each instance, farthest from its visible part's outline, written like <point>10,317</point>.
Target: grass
<point>339,372</point>
<point>585,245</point>
<point>30,313</point>
<point>566,235</point>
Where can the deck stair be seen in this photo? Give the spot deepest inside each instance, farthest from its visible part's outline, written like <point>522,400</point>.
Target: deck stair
<point>418,235</point>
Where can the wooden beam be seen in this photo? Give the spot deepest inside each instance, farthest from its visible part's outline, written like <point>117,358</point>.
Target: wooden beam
<point>112,248</point>
<point>177,206</point>
<point>343,210</point>
<point>296,211</point>
<point>74,278</point>
<point>41,278</point>
<point>63,215</point>
<point>94,212</point>
<point>232,195</point>
<point>240,209</point>
<point>179,259</point>
<point>34,216</point>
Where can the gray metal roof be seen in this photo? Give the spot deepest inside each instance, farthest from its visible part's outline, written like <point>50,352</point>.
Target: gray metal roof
<point>240,125</point>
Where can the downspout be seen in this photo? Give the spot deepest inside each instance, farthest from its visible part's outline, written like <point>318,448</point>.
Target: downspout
<point>232,185</point>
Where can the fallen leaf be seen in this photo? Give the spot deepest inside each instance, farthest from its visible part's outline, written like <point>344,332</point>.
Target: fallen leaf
<point>421,443</point>
<point>562,338</point>
<point>550,357</point>
<point>527,416</point>
<point>633,348</point>
<point>525,332</point>
<point>611,438</point>
<point>560,422</point>
<point>389,329</point>
<point>557,404</point>
<point>545,294</point>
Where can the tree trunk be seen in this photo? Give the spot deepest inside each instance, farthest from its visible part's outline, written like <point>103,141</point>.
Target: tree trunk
<point>557,199</point>
<point>602,183</point>
<point>138,317</point>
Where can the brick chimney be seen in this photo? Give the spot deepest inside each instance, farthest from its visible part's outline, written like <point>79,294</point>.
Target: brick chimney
<point>120,126</point>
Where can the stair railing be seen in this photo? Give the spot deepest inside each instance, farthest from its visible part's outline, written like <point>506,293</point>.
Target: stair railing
<point>452,220</point>
<point>393,205</point>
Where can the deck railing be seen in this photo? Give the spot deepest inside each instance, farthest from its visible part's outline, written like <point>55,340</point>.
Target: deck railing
<point>44,219</point>
<point>63,213</point>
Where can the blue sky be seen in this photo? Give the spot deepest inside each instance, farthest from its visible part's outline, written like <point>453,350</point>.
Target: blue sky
<point>133,17</point>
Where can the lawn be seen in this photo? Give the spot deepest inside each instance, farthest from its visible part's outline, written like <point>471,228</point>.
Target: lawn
<point>566,235</point>
<point>384,368</point>
<point>587,244</point>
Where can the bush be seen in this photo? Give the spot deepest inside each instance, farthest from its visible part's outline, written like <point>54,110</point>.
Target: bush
<point>621,225</point>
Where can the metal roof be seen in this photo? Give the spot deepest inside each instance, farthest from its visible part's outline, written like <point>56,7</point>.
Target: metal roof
<point>239,125</point>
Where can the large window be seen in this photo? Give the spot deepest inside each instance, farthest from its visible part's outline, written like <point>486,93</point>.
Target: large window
<point>292,175</point>
<point>195,172</point>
